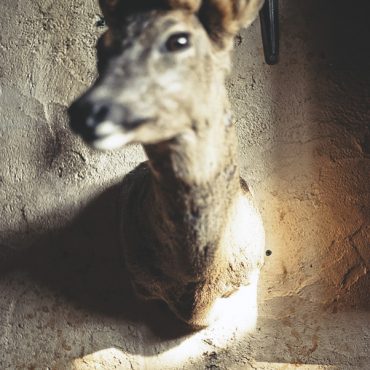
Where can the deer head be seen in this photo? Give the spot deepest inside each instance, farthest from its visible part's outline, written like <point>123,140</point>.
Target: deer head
<point>161,67</point>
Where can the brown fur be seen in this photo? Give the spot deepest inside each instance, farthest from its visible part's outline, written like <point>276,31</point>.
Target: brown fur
<point>190,233</point>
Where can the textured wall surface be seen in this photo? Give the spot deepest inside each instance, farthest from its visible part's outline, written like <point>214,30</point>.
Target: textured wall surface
<point>304,139</point>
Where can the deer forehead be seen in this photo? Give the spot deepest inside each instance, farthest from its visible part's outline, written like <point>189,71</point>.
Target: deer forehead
<point>140,68</point>
<point>141,39</point>
<point>148,27</point>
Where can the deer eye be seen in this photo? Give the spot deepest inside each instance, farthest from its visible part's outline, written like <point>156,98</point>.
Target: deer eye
<point>178,42</point>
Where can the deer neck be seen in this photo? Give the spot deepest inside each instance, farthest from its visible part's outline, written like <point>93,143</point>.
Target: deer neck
<point>203,156</point>
<point>195,180</point>
<point>195,159</point>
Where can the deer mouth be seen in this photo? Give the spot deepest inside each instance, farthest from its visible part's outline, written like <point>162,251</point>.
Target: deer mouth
<point>108,135</point>
<point>111,141</point>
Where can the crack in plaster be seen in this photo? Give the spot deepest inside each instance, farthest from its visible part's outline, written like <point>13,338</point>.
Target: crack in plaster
<point>354,246</point>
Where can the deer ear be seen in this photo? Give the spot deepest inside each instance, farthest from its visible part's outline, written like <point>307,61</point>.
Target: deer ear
<point>224,18</point>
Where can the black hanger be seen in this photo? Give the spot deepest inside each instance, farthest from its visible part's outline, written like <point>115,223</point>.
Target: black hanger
<point>269,17</point>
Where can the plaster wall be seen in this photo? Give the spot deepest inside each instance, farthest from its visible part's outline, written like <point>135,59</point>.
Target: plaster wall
<point>304,138</point>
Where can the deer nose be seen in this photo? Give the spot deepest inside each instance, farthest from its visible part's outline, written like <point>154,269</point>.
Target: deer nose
<point>86,116</point>
<point>99,113</point>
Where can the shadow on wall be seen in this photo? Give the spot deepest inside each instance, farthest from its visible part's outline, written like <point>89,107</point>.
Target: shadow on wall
<point>71,304</point>
<point>70,299</point>
<point>83,263</point>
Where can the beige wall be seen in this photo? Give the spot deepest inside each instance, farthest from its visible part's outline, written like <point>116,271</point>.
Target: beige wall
<point>304,136</point>
<point>305,148</point>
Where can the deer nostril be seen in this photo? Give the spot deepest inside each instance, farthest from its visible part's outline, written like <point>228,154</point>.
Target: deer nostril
<point>99,114</point>
<point>102,113</point>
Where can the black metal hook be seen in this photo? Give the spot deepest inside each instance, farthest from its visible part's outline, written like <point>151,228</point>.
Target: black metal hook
<point>269,17</point>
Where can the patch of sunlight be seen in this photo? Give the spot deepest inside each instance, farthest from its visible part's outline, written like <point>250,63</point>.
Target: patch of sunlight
<point>235,317</point>
<point>106,359</point>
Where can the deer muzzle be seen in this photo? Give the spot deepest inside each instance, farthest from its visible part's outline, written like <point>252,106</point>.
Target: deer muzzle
<point>103,124</point>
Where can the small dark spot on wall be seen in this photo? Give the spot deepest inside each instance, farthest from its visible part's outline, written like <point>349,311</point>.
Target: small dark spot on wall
<point>60,171</point>
<point>268,253</point>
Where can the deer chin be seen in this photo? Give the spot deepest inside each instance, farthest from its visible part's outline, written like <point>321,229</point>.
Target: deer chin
<point>107,136</point>
<point>112,141</point>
